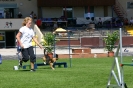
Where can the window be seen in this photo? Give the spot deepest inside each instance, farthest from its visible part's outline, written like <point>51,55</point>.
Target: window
<point>68,12</point>
<point>2,36</point>
<point>129,5</point>
<point>2,39</point>
<point>89,11</point>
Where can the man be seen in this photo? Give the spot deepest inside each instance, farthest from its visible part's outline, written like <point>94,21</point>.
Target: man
<point>24,37</point>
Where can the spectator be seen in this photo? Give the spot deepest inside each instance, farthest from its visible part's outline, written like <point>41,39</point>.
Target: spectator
<point>18,47</point>
<point>100,21</point>
<point>131,22</point>
<point>126,21</point>
<point>7,14</point>
<point>4,14</point>
<point>31,14</point>
<point>114,21</point>
<point>19,15</point>
<point>55,25</point>
<point>35,18</point>
<point>39,23</point>
<point>47,24</point>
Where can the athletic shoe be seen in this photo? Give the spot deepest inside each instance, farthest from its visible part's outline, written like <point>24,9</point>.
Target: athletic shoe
<point>32,70</point>
<point>44,63</point>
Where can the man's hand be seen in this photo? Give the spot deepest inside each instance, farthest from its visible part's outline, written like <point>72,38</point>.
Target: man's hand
<point>22,46</point>
<point>41,47</point>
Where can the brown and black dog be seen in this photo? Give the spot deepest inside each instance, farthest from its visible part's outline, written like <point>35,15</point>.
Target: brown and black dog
<point>48,60</point>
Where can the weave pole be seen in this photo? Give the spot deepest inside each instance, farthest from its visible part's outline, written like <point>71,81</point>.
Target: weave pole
<point>120,79</point>
<point>68,33</point>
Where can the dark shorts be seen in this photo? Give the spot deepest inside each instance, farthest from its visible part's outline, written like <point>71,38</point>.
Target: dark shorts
<point>28,53</point>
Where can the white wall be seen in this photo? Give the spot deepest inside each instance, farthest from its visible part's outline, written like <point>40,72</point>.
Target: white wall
<point>99,11</point>
<point>52,12</point>
<point>78,12</point>
<point>110,12</point>
<point>16,24</point>
<point>124,4</point>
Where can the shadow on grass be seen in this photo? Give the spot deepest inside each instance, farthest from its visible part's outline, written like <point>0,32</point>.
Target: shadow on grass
<point>44,68</point>
<point>24,70</point>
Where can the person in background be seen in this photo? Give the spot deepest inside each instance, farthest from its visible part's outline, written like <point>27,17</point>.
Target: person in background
<point>19,15</point>
<point>126,21</point>
<point>18,51</point>
<point>4,14</point>
<point>35,18</point>
<point>18,47</point>
<point>39,23</point>
<point>131,22</point>
<point>100,21</point>
<point>31,14</point>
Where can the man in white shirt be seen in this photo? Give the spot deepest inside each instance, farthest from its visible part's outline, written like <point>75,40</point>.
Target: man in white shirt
<point>24,37</point>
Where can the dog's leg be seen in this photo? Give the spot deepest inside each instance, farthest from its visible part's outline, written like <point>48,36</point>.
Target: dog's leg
<point>51,65</point>
<point>44,60</point>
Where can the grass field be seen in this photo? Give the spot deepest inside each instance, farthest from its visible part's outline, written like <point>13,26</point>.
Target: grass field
<point>84,73</point>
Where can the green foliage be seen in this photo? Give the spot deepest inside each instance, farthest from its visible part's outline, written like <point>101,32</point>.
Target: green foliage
<point>49,41</point>
<point>110,40</point>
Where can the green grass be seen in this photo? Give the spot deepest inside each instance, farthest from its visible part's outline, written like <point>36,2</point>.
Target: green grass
<point>84,73</point>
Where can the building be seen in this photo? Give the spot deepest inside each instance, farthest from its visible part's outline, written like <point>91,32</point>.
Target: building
<point>74,9</point>
<point>85,8</point>
<point>9,21</point>
<point>13,7</point>
<point>70,9</point>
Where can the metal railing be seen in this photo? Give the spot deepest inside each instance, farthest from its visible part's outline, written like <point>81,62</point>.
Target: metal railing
<point>117,3</point>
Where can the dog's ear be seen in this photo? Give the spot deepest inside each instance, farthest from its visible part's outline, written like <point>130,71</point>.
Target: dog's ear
<point>44,51</point>
<point>56,56</point>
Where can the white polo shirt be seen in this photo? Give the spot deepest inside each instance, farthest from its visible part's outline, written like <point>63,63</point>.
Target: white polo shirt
<point>131,21</point>
<point>27,35</point>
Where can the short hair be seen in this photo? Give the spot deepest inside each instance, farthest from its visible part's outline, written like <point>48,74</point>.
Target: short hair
<point>25,21</point>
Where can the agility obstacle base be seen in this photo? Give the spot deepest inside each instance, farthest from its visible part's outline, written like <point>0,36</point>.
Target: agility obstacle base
<point>0,59</point>
<point>59,64</point>
<point>120,79</point>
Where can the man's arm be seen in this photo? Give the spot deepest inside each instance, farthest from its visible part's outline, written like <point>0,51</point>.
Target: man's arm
<point>18,39</point>
<point>35,40</point>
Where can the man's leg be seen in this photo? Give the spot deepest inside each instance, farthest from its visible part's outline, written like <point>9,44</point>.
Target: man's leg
<point>25,55</point>
<point>32,57</point>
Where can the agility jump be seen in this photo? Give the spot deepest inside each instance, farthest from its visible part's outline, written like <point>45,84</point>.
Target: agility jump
<point>120,79</point>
